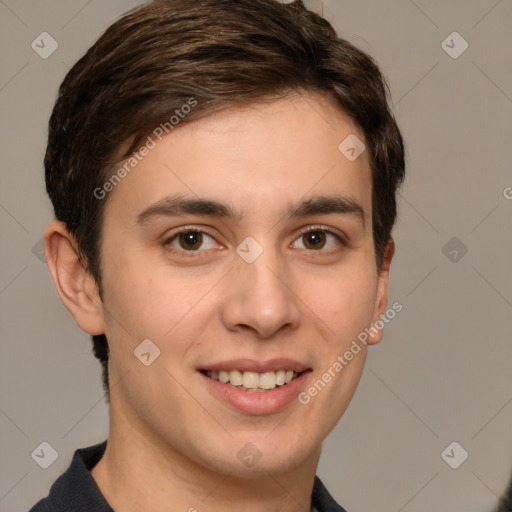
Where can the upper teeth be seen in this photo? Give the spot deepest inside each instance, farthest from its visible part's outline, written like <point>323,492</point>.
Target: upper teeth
<point>254,380</point>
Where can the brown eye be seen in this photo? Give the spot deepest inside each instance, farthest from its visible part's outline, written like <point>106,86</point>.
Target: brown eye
<point>190,240</point>
<point>320,240</point>
<point>314,239</point>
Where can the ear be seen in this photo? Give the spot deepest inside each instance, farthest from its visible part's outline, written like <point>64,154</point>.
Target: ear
<point>77,289</point>
<point>381,302</point>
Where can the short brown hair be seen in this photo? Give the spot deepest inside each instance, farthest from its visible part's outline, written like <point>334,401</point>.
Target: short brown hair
<point>158,56</point>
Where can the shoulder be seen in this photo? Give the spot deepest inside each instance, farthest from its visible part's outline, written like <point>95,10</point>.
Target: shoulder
<point>75,490</point>
<point>322,501</point>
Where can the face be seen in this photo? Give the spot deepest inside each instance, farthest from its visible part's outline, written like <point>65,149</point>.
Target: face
<point>241,247</point>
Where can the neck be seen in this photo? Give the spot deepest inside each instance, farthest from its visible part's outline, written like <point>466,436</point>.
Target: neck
<point>140,472</point>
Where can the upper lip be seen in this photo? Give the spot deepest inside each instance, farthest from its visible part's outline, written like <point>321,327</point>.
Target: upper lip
<point>251,365</point>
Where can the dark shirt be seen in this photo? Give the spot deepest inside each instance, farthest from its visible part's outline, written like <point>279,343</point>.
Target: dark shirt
<point>76,490</point>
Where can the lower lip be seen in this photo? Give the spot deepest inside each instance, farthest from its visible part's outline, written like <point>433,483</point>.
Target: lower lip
<point>266,402</point>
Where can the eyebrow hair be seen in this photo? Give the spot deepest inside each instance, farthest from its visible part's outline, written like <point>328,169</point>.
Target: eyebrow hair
<point>178,205</point>
<point>317,205</point>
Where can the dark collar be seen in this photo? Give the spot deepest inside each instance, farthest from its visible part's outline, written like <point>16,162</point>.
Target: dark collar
<point>76,491</point>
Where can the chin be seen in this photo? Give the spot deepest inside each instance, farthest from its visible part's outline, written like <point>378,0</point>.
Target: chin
<point>255,456</point>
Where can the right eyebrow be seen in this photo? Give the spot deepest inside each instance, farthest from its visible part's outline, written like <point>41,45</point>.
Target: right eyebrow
<point>177,205</point>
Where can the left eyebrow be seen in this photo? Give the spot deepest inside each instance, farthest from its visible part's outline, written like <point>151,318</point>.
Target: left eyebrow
<point>324,205</point>
<point>317,205</point>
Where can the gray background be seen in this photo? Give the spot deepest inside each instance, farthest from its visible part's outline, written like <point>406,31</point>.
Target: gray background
<point>443,371</point>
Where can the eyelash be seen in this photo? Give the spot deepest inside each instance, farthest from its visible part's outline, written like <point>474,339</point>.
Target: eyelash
<point>311,229</point>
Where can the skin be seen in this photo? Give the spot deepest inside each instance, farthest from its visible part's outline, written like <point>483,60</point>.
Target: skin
<point>171,440</point>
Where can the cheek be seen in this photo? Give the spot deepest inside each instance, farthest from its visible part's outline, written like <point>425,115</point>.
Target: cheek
<point>344,300</point>
<point>150,300</point>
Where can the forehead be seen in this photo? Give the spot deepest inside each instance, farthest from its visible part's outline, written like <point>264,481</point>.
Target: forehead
<point>268,153</point>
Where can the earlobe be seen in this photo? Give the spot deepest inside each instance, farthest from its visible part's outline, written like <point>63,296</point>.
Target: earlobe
<point>76,287</point>
<point>381,302</point>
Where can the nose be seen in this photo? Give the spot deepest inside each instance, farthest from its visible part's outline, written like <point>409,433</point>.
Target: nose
<point>259,298</point>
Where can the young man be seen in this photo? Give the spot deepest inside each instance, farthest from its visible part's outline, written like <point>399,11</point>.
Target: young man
<point>223,175</point>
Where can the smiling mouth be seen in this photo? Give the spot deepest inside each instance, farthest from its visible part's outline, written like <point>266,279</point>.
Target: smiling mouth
<point>253,381</point>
